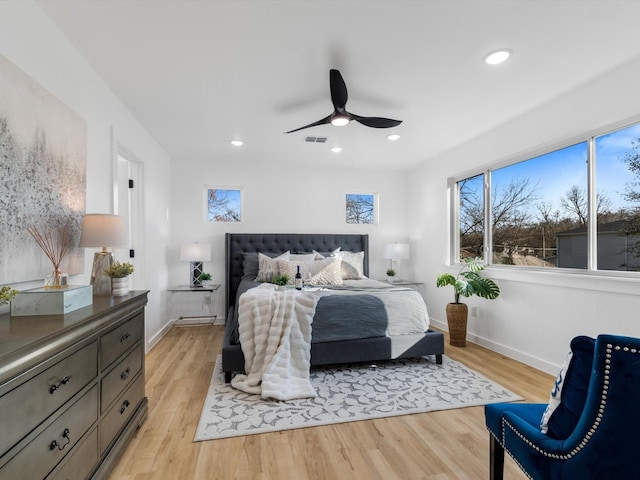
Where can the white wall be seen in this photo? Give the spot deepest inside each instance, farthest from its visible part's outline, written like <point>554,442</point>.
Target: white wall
<point>33,44</point>
<point>538,312</point>
<point>279,199</point>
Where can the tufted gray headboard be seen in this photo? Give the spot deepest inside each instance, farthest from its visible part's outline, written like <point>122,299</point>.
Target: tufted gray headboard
<point>238,243</point>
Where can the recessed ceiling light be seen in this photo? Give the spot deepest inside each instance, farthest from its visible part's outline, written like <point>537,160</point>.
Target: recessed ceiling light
<point>393,136</point>
<point>237,143</point>
<point>336,149</point>
<point>497,56</point>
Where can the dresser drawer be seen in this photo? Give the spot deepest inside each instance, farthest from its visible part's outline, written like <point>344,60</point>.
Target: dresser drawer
<point>81,459</point>
<point>114,382</point>
<point>121,412</point>
<point>40,396</point>
<point>120,339</point>
<point>40,456</point>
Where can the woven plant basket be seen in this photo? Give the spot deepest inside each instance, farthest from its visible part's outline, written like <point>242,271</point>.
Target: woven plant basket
<point>457,320</point>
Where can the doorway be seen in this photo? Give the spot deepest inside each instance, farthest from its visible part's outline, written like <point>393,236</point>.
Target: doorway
<point>129,202</point>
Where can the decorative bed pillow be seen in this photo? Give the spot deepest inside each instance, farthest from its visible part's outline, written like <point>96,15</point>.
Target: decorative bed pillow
<point>352,265</point>
<point>268,267</point>
<point>322,255</point>
<point>569,393</point>
<point>323,272</point>
<point>302,257</point>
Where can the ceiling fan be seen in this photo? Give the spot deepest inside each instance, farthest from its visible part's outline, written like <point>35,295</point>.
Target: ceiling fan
<point>340,117</point>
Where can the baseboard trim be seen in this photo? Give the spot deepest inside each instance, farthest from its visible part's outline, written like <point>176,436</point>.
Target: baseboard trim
<point>510,352</point>
<point>153,341</point>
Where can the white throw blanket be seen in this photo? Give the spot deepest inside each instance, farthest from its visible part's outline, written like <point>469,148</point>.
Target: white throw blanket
<point>275,335</point>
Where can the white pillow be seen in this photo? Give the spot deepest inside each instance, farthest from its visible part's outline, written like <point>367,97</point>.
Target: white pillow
<point>323,272</point>
<point>302,257</point>
<point>556,394</point>
<point>352,265</point>
<point>320,256</point>
<point>268,267</point>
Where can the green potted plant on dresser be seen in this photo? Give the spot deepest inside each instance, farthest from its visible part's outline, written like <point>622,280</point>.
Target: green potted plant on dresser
<point>466,283</point>
<point>119,273</point>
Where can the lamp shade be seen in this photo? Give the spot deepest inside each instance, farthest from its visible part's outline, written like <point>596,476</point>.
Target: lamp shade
<point>103,230</point>
<point>195,252</point>
<point>396,251</point>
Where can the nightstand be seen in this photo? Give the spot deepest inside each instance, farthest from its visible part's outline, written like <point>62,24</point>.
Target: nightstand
<point>194,305</point>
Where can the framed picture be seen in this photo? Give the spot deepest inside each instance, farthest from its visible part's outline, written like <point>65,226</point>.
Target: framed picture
<point>223,204</point>
<point>43,165</point>
<point>361,208</point>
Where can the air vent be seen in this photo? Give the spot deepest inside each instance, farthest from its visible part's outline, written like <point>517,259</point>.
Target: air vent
<point>315,139</point>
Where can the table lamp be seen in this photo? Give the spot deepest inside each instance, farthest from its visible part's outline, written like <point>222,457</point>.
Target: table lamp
<point>101,230</point>
<point>196,253</point>
<point>395,253</point>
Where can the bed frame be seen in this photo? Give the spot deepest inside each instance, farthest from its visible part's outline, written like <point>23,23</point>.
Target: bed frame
<point>326,353</point>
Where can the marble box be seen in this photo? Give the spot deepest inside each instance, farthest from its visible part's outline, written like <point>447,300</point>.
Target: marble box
<point>40,301</point>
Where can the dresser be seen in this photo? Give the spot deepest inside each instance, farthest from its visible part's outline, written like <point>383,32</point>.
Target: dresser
<point>71,389</point>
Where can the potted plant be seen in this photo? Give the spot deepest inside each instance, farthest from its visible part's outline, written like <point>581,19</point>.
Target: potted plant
<point>6,295</point>
<point>280,281</point>
<point>391,275</point>
<point>119,281</point>
<point>205,279</point>
<point>466,283</point>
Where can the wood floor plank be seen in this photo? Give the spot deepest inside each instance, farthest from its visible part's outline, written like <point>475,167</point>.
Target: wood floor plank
<point>445,445</point>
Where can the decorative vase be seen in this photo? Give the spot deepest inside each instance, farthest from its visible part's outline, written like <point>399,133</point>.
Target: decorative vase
<point>56,280</point>
<point>119,286</point>
<point>457,320</point>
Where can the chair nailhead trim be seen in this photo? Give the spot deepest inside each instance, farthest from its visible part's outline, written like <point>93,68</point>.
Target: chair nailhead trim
<point>596,423</point>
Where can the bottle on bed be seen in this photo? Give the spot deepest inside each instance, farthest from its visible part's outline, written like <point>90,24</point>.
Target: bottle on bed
<point>298,279</point>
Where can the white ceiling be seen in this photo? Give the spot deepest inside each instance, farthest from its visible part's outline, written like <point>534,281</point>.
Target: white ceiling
<point>198,73</point>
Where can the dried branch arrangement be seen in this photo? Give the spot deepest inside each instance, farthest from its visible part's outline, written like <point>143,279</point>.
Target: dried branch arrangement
<point>55,241</point>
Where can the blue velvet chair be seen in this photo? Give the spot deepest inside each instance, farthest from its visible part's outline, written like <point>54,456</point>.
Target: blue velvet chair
<point>600,441</point>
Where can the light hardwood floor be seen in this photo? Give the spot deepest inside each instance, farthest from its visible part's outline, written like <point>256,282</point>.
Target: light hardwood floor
<point>452,444</point>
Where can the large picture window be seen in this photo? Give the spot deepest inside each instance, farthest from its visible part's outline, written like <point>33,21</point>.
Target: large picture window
<point>540,210</point>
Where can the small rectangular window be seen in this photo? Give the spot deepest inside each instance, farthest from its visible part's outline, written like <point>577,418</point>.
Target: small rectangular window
<point>360,208</point>
<point>223,205</point>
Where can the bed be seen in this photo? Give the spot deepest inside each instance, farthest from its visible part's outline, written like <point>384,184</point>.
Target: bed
<point>324,351</point>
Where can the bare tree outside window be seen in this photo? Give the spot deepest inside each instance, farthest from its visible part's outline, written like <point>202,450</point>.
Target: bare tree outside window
<point>360,208</point>
<point>223,205</point>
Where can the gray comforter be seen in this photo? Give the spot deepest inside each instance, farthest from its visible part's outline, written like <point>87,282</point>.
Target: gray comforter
<point>360,309</point>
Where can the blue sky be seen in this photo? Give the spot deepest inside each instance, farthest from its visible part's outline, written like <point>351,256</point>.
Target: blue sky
<point>556,172</point>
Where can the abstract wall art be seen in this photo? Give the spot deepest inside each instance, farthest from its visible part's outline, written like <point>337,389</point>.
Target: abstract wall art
<point>43,162</point>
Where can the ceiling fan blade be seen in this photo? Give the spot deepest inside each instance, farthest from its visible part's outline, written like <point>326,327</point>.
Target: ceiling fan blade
<point>376,122</point>
<point>324,121</point>
<point>339,95</point>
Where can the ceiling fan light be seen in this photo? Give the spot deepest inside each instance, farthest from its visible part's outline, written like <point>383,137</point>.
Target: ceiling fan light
<point>393,137</point>
<point>497,56</point>
<point>339,121</point>
<point>237,143</point>
<point>336,149</point>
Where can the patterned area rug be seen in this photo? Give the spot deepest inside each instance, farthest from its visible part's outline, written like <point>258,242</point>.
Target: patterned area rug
<point>349,393</point>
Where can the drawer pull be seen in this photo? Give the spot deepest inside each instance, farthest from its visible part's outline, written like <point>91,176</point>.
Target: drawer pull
<point>124,375</point>
<point>64,381</point>
<point>124,406</point>
<point>54,444</point>
<point>124,337</point>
